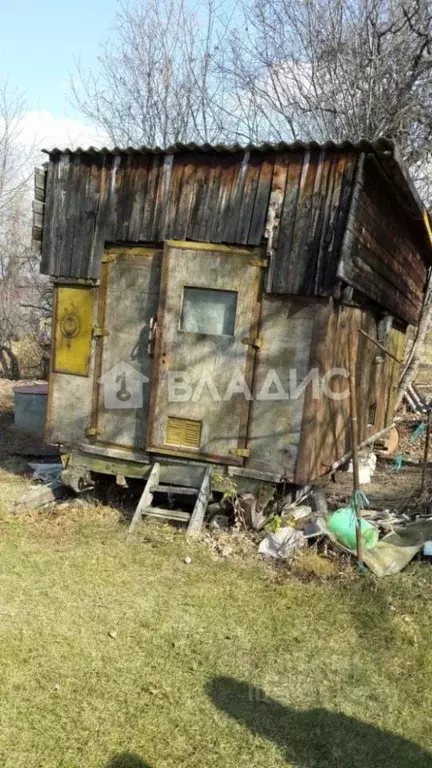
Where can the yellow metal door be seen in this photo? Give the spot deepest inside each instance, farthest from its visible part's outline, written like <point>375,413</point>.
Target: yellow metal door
<point>73,329</point>
<point>205,350</point>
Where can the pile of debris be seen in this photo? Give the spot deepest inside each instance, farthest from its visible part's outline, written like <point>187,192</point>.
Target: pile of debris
<point>281,527</point>
<point>390,541</point>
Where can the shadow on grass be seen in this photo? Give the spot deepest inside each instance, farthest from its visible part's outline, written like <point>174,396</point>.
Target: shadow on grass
<point>127,760</point>
<point>315,737</point>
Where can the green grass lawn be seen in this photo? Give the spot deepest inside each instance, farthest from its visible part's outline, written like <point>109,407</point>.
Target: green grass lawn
<point>109,648</point>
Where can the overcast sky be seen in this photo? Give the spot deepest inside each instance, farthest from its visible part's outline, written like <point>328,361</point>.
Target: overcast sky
<point>40,43</point>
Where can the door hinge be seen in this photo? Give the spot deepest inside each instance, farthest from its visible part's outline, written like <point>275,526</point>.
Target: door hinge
<point>91,432</point>
<point>98,331</point>
<point>108,258</point>
<point>245,452</point>
<point>65,458</point>
<point>260,263</point>
<point>257,342</point>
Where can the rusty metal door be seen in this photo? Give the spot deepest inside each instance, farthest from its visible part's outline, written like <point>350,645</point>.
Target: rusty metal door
<point>206,343</point>
<point>129,296</point>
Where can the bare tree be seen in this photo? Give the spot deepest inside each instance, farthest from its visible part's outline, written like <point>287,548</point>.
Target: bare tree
<point>20,281</point>
<point>269,69</point>
<point>14,163</point>
<point>157,81</point>
<point>341,69</point>
<point>266,69</point>
<point>337,69</point>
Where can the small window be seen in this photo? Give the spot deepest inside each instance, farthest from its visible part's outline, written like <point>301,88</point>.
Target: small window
<point>206,310</point>
<point>372,415</point>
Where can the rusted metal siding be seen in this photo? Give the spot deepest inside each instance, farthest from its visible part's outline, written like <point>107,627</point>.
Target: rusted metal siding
<point>381,256</point>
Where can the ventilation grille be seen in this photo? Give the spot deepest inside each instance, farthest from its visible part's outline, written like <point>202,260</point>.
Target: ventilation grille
<point>184,432</point>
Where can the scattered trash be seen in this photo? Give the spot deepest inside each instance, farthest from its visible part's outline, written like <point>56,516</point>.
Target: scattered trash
<point>188,560</point>
<point>427,549</point>
<point>297,514</point>
<point>367,466</point>
<point>314,529</point>
<point>395,550</point>
<point>51,490</point>
<point>47,473</point>
<point>113,634</point>
<point>254,511</point>
<point>318,501</point>
<point>283,544</point>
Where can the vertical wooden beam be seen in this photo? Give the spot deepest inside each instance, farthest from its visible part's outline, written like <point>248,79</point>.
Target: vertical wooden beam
<point>426,449</point>
<point>200,507</point>
<point>146,497</point>
<point>352,349</point>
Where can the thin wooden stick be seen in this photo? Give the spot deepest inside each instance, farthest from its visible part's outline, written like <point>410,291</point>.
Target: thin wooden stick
<point>352,347</point>
<point>426,449</point>
<point>381,347</point>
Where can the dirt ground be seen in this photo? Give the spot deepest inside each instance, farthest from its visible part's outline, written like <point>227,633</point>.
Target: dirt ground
<point>394,490</point>
<point>14,441</point>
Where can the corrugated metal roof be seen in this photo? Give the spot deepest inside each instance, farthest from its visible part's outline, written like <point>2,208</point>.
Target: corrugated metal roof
<point>362,145</point>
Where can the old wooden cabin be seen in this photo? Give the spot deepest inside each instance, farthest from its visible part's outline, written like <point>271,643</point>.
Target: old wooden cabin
<point>195,289</point>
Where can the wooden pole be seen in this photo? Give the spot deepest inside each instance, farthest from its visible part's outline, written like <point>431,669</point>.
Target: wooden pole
<point>426,449</point>
<point>352,347</point>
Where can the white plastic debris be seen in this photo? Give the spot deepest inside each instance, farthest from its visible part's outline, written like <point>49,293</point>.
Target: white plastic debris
<point>367,466</point>
<point>298,513</point>
<point>283,544</point>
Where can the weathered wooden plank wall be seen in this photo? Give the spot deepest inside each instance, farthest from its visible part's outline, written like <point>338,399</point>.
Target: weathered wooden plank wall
<point>380,257</point>
<point>325,432</point>
<point>316,201</point>
<point>222,198</point>
<point>329,215</point>
<point>275,422</point>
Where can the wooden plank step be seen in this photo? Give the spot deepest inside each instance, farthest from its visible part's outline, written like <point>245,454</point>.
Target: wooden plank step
<point>147,495</point>
<point>176,490</point>
<point>168,514</point>
<point>197,517</point>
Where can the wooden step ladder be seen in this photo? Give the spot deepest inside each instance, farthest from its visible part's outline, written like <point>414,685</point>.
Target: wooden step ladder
<point>152,486</point>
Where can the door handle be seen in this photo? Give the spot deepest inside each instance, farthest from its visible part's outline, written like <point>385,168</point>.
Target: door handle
<point>152,337</point>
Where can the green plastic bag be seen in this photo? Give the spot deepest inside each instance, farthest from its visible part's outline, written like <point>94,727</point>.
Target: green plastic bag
<point>342,524</point>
